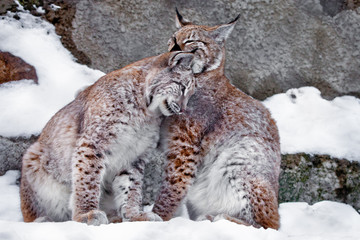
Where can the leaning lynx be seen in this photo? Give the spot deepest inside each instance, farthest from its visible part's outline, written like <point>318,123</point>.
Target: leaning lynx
<point>88,162</point>
<point>223,153</point>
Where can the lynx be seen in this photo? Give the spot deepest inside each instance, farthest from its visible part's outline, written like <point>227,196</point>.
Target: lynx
<point>223,153</point>
<point>88,162</point>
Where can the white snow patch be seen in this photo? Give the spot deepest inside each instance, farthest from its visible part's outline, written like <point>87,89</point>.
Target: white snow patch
<point>26,107</point>
<point>328,220</point>
<point>19,6</point>
<point>54,7</point>
<point>39,9</point>
<point>308,123</point>
<point>324,220</point>
<point>10,199</point>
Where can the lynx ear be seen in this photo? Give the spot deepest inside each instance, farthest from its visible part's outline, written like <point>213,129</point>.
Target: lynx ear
<point>222,32</point>
<point>181,61</point>
<point>180,21</point>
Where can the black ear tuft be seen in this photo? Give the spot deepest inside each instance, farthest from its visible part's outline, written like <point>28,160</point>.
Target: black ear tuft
<point>180,21</point>
<point>235,20</point>
<point>178,15</point>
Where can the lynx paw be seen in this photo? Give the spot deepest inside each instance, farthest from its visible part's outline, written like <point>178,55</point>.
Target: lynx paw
<point>116,219</point>
<point>93,217</point>
<point>145,216</point>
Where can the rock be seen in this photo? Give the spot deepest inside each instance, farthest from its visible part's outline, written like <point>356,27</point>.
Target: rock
<point>7,5</point>
<point>313,178</point>
<point>153,177</point>
<point>11,151</point>
<point>13,68</point>
<point>275,46</point>
<point>352,4</point>
<point>61,16</point>
<point>291,44</point>
<point>332,7</point>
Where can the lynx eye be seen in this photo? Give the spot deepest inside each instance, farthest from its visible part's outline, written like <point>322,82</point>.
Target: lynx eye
<point>189,41</point>
<point>183,89</point>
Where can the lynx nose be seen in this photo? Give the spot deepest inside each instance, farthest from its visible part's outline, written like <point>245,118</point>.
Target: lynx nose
<point>174,107</point>
<point>183,108</point>
<point>183,104</point>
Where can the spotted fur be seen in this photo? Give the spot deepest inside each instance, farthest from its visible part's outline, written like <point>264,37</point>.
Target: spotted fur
<point>88,162</point>
<point>223,153</point>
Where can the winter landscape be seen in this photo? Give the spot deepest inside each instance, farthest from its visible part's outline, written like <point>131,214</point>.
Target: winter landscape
<point>307,123</point>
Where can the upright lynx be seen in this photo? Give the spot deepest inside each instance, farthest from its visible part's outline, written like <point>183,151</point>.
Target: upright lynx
<point>88,162</point>
<point>223,153</point>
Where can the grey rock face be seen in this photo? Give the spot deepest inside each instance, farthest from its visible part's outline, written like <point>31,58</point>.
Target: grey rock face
<point>275,46</point>
<point>315,178</point>
<point>11,151</point>
<point>154,174</point>
<point>7,5</point>
<point>295,43</point>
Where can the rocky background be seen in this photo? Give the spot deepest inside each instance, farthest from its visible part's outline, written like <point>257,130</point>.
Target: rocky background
<point>275,46</point>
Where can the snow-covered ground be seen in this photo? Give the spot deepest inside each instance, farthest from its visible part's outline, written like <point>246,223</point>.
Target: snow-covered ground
<point>299,221</point>
<point>306,121</point>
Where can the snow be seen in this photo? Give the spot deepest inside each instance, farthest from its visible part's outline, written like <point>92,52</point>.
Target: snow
<point>54,7</point>
<point>308,123</point>
<point>323,220</point>
<point>26,107</point>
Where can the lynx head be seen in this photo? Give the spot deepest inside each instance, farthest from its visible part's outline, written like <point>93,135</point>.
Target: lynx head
<point>169,90</point>
<point>208,43</point>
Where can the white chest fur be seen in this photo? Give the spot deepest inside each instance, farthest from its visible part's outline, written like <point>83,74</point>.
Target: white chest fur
<point>131,144</point>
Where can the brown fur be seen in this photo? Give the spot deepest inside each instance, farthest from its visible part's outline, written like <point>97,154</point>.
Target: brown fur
<point>223,153</point>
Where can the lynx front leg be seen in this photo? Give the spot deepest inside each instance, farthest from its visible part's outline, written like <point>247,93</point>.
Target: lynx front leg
<point>182,160</point>
<point>127,188</point>
<point>88,170</point>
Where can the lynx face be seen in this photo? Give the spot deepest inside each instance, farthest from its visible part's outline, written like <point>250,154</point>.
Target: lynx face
<point>206,42</point>
<point>171,89</point>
